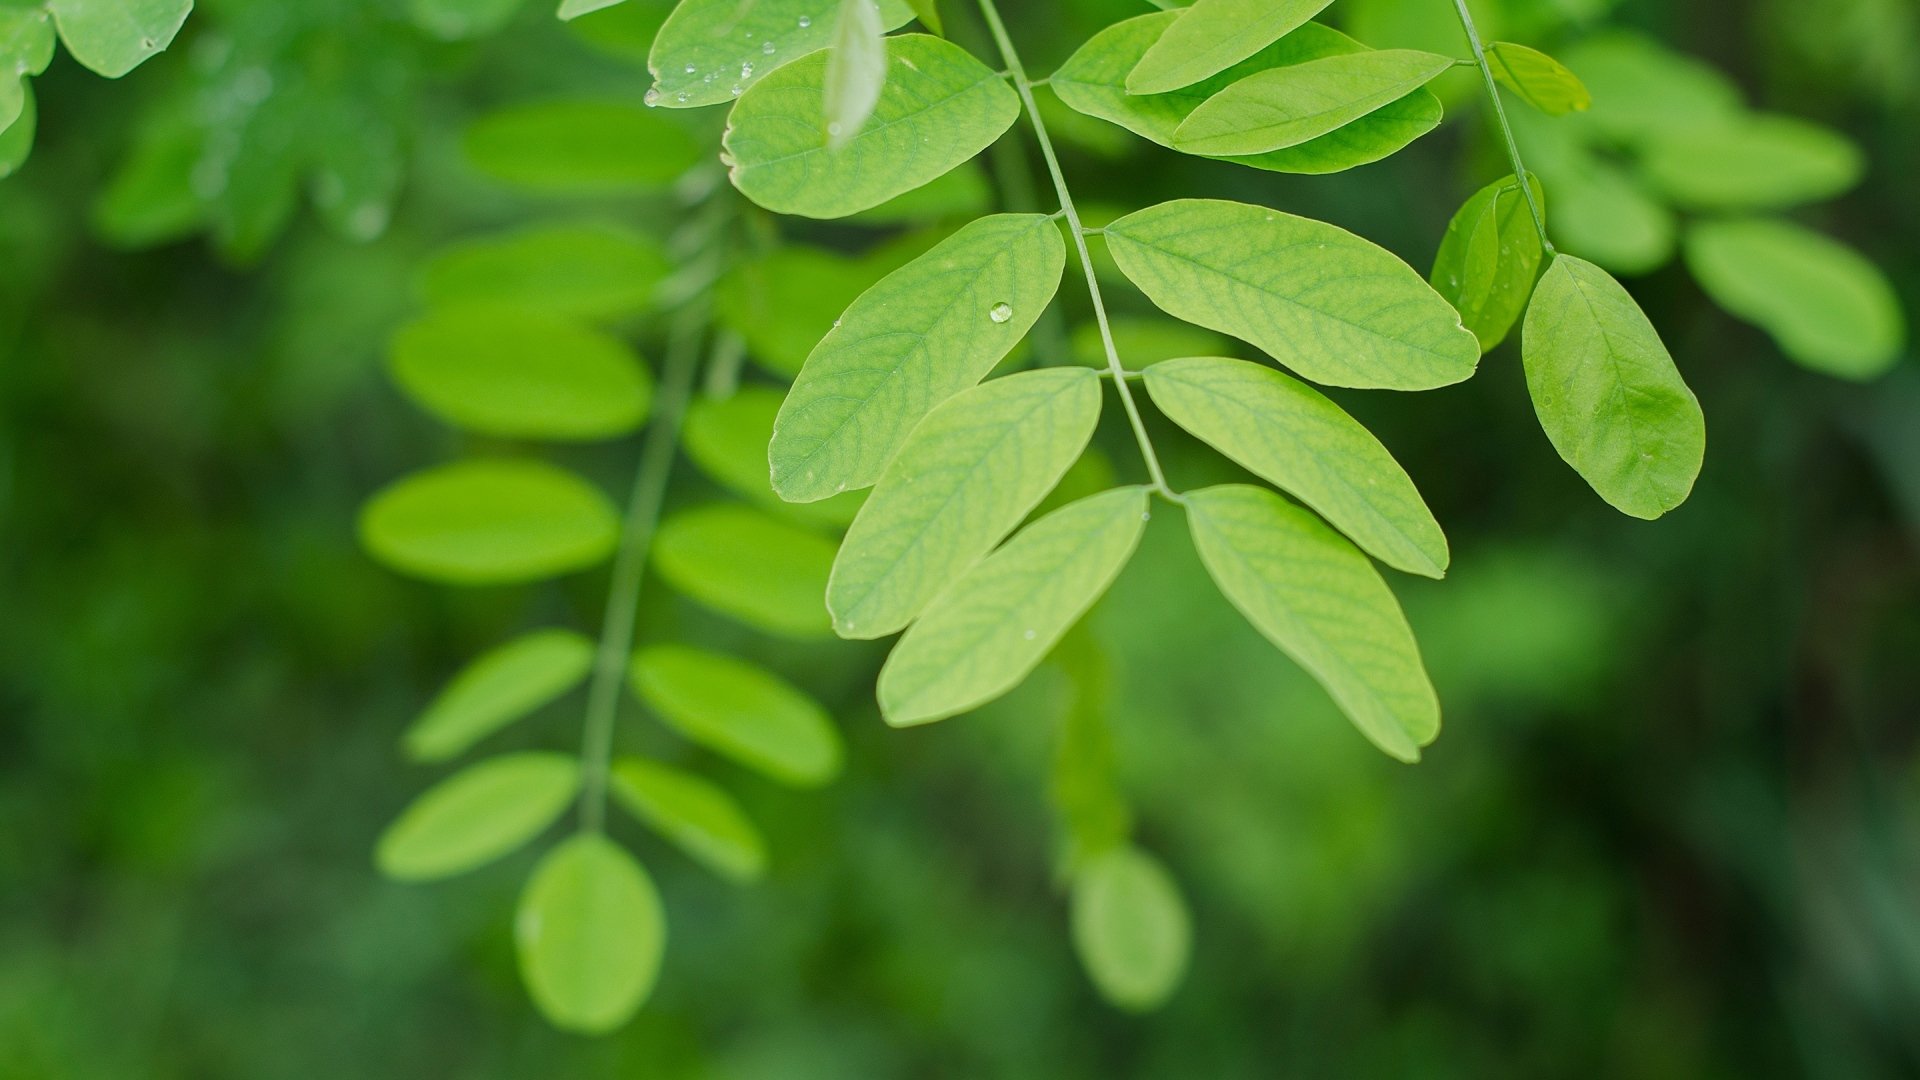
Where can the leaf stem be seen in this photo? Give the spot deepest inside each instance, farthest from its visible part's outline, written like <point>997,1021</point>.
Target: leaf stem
<point>1506,129</point>
<point>1025,87</point>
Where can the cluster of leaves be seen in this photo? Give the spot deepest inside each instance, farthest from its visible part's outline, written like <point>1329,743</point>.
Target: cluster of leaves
<point>108,37</point>
<point>526,340</point>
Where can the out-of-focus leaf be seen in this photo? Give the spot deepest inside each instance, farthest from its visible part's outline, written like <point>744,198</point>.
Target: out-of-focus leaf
<point>767,573</point>
<point>590,933</point>
<point>727,437</point>
<point>1754,163</point>
<point>740,710</point>
<point>477,815</point>
<point>112,37</point>
<point>498,688</point>
<point>856,70</point>
<point>1641,87</point>
<point>150,199</point>
<point>1131,928</point>
<point>573,9</point>
<point>695,814</point>
<point>16,142</point>
<point>490,522</point>
<point>594,272</point>
<point>582,146</point>
<point>462,20</point>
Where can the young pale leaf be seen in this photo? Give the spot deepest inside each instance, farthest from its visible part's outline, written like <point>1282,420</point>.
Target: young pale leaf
<point>1093,82</point>
<point>489,522</point>
<point>926,332</point>
<point>856,70</point>
<point>583,147</point>
<point>928,12</point>
<point>589,932</point>
<point>1290,435</point>
<point>712,51</point>
<point>477,815</point>
<point>745,712</point>
<point>1212,36</point>
<point>761,570</point>
<point>972,470</point>
<point>1827,307</point>
<point>1287,106</point>
<point>1489,259</point>
<point>1336,308</point>
<point>112,37</point>
<point>1607,392</point>
<point>939,108</point>
<point>727,438</point>
<point>1312,594</point>
<point>1756,162</point>
<point>520,375</point>
<point>498,688</point>
<point>1538,79</point>
<point>983,635</point>
<point>594,272</point>
<point>1131,928</point>
<point>695,814</point>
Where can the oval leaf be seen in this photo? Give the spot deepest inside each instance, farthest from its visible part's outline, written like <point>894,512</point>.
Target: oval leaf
<point>1754,162</point>
<point>1607,392</point>
<point>939,108</point>
<point>742,711</point>
<point>112,37</point>
<point>1538,79</point>
<point>1312,594</point>
<point>520,375</point>
<point>1489,260</point>
<point>972,470</point>
<point>710,51</point>
<point>580,147</point>
<point>1131,928</point>
<point>1287,106</point>
<point>696,815</point>
<point>988,632</point>
<point>1352,314</point>
<point>489,522</point>
<point>498,688</point>
<point>590,933</point>
<point>727,437</point>
<point>1290,435</point>
<point>1212,36</point>
<point>921,335</point>
<point>592,272</point>
<point>1826,306</point>
<point>477,815</point>
<point>763,571</point>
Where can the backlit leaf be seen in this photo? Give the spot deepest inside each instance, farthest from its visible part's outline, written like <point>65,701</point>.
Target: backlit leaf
<point>706,48</point>
<point>983,635</point>
<point>742,711</point>
<point>727,437</point>
<point>969,473</point>
<point>928,12</point>
<point>1313,595</point>
<point>1212,36</point>
<point>1286,106</point>
<point>1489,259</point>
<point>498,688</point>
<point>489,522</point>
<point>694,813</point>
<point>1607,391</point>
<point>1130,928</point>
<point>1538,79</point>
<point>1330,305</point>
<point>112,37</point>
<point>1753,163</point>
<point>580,147</point>
<point>477,815</point>
<point>856,70</point>
<point>594,272</point>
<point>761,570</point>
<point>1290,435</point>
<point>922,334</point>
<point>939,108</point>
<point>589,932</point>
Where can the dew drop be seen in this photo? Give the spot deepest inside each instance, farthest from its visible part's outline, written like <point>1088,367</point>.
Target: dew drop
<point>735,90</point>
<point>836,324</point>
<point>805,22</point>
<point>691,69</point>
<point>652,98</point>
<point>1028,635</point>
<point>746,71</point>
<point>1000,312</point>
<point>834,128</point>
<point>767,48</point>
<point>681,96</point>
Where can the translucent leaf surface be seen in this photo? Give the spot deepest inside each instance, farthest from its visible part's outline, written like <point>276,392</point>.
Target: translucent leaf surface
<point>767,573</point>
<point>695,814</point>
<point>478,815</point>
<point>856,69</point>
<point>1489,259</point>
<point>706,48</point>
<point>498,688</point>
<point>1130,928</point>
<point>1538,79</point>
<point>1212,36</point>
<point>1286,106</point>
<point>489,522</point>
<point>589,932</point>
<point>740,710</point>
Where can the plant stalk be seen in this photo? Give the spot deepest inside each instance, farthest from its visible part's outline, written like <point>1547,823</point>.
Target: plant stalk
<point>1506,129</point>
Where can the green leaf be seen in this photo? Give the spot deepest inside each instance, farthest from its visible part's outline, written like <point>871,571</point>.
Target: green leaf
<point>742,711</point>
<point>1131,928</point>
<point>1212,36</point>
<point>695,814</point>
<point>1757,162</point>
<point>590,933</point>
<point>477,815</point>
<point>1322,603</point>
<point>1607,392</point>
<point>763,571</point>
<point>1145,340</point>
<point>594,272</point>
<point>26,43</point>
<point>938,109</point>
<point>489,522</point>
<point>462,20</point>
<point>962,193</point>
<point>727,438</point>
<point>1289,434</point>
<point>784,302</point>
<point>1286,106</point>
<point>707,48</point>
<point>1827,307</point>
<point>1344,313</point>
<point>924,333</point>
<point>112,37</point>
<point>16,142</point>
<point>1538,79</point>
<point>520,375</point>
<point>856,70</point>
<point>981,637</point>
<point>580,147</point>
<point>573,9</point>
<point>972,470</point>
<point>928,12</point>
<point>1640,86</point>
<point>498,688</point>
<point>1489,259</point>
<point>1093,82</point>
<point>150,198</point>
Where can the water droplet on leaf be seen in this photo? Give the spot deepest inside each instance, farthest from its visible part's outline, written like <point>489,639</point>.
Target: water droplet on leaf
<point>1000,312</point>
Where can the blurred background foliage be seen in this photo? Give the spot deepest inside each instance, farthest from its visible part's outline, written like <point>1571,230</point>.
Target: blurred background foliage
<point>1672,828</point>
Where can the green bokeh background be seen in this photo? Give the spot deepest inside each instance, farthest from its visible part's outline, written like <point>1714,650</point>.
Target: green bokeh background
<point>1672,828</point>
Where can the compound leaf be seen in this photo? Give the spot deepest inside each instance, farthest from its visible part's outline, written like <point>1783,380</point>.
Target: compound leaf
<point>695,814</point>
<point>477,815</point>
<point>1286,106</point>
<point>489,522</point>
<point>1538,79</point>
<point>1321,602</point>
<point>1130,927</point>
<point>758,569</point>
<point>589,932</point>
<point>1489,259</point>
<point>498,688</point>
<point>112,37</point>
<point>742,711</point>
<point>580,147</point>
<point>1212,36</point>
<point>712,51</point>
